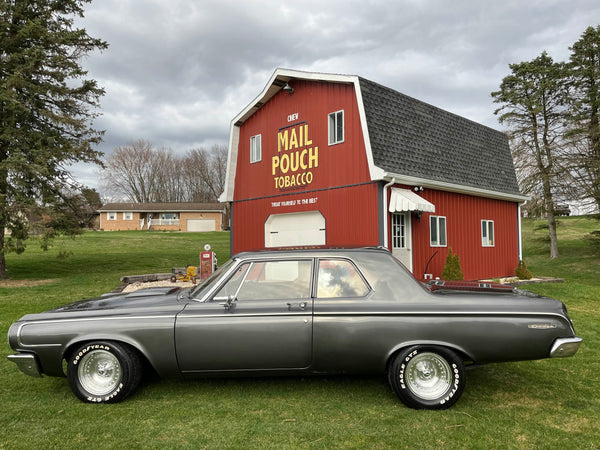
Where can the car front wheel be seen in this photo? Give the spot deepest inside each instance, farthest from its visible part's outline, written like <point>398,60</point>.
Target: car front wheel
<point>427,377</point>
<point>103,372</point>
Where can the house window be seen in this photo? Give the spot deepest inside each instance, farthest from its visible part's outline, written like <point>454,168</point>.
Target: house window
<point>336,127</point>
<point>127,216</point>
<point>437,231</point>
<point>256,148</point>
<point>111,216</point>
<point>487,233</point>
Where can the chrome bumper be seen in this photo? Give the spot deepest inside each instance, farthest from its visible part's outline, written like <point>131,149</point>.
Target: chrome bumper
<point>564,347</point>
<point>27,363</point>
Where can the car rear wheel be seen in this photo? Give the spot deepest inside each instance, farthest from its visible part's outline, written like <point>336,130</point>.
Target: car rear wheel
<point>103,372</point>
<point>427,377</point>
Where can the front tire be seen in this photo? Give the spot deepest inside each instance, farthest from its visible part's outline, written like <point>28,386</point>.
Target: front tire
<point>427,377</point>
<point>103,372</point>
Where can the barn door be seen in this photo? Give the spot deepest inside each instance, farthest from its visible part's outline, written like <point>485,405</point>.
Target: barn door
<point>402,238</point>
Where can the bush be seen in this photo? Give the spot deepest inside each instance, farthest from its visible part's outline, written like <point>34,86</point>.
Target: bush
<point>522,272</point>
<point>452,269</point>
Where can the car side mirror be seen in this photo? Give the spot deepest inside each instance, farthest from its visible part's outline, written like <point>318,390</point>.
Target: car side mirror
<point>230,302</point>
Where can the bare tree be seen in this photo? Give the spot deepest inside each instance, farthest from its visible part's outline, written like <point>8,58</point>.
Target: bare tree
<point>205,172</point>
<point>140,173</point>
<point>130,171</point>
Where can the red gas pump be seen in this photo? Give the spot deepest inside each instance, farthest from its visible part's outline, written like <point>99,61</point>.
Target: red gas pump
<point>208,261</point>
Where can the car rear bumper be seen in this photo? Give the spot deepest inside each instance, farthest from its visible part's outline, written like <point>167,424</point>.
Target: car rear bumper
<point>27,363</point>
<point>564,347</point>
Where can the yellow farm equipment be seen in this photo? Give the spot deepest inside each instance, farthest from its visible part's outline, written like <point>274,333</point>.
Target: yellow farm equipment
<point>190,274</point>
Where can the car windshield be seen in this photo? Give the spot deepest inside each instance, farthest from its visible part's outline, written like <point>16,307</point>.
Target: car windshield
<point>211,281</point>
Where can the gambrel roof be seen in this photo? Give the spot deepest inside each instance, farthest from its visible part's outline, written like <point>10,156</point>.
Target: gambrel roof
<point>412,138</point>
<point>409,141</point>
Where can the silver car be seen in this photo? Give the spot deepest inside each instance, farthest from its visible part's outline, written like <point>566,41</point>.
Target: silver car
<point>295,312</point>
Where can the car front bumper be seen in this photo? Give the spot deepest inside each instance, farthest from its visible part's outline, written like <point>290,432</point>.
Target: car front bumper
<point>564,347</point>
<point>27,363</point>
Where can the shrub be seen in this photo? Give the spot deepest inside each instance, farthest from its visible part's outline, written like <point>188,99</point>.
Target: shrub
<point>522,272</point>
<point>452,269</point>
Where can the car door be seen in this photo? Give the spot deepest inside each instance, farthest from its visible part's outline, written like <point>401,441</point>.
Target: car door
<point>260,319</point>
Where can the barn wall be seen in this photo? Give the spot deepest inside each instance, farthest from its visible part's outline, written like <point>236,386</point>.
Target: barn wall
<point>463,219</point>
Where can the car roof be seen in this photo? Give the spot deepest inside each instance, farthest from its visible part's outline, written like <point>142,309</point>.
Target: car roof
<point>309,252</point>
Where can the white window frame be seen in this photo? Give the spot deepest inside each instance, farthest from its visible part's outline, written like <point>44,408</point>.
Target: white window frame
<point>256,148</point>
<point>488,238</point>
<point>127,216</point>
<point>111,216</point>
<point>436,241</point>
<point>333,120</point>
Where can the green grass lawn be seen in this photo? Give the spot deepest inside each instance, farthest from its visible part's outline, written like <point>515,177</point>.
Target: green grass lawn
<point>534,404</point>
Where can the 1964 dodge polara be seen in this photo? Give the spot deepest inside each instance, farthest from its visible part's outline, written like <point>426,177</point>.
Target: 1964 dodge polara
<point>295,312</point>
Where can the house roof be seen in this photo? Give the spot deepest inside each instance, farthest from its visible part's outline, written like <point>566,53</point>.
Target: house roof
<point>408,141</point>
<point>412,138</point>
<point>163,207</point>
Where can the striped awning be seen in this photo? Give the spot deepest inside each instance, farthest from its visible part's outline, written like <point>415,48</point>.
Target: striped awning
<point>404,200</point>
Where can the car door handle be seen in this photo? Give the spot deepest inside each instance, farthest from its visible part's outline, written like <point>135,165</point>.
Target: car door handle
<point>297,307</point>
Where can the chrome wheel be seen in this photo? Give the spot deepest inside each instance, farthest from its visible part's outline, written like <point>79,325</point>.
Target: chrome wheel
<point>428,376</point>
<point>99,372</point>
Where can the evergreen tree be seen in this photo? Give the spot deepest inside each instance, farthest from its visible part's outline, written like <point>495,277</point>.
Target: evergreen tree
<point>584,117</point>
<point>533,99</point>
<point>46,111</point>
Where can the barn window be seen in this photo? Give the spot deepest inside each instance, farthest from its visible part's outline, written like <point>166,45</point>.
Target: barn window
<point>111,216</point>
<point>336,127</point>
<point>127,216</point>
<point>487,233</point>
<point>437,231</point>
<point>256,148</point>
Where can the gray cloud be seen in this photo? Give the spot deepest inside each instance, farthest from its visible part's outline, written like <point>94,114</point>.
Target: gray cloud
<point>178,71</point>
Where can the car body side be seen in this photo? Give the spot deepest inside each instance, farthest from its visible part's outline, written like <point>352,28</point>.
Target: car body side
<point>182,333</point>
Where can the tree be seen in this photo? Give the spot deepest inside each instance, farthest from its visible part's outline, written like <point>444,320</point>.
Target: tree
<point>205,172</point>
<point>141,173</point>
<point>533,99</point>
<point>46,110</point>
<point>584,120</point>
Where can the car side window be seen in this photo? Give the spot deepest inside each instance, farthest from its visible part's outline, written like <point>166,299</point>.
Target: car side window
<point>231,288</point>
<point>340,279</point>
<point>270,280</point>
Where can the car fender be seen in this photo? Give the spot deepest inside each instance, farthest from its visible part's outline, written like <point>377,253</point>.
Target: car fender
<point>163,365</point>
<point>462,353</point>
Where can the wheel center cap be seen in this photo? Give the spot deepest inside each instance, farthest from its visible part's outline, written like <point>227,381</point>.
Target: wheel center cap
<point>104,369</point>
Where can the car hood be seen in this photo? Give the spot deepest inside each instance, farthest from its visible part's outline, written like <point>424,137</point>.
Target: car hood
<point>164,301</point>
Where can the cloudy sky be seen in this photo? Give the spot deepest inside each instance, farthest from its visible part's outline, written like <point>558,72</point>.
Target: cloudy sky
<point>177,71</point>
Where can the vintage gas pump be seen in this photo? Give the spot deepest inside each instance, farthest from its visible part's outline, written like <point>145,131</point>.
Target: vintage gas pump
<point>208,261</point>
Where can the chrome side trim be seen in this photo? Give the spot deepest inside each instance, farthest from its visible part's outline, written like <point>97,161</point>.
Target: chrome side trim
<point>564,347</point>
<point>27,363</point>
<point>76,319</point>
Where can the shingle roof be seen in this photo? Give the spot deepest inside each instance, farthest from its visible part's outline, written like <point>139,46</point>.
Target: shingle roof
<point>163,207</point>
<point>412,138</point>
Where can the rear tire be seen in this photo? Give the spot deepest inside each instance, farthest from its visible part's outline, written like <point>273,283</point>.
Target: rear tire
<point>427,377</point>
<point>103,372</point>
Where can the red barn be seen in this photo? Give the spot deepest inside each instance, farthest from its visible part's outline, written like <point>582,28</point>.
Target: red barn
<point>340,161</point>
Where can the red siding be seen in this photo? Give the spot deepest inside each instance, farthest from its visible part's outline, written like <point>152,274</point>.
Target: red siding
<point>351,216</point>
<point>464,214</point>
<point>338,165</point>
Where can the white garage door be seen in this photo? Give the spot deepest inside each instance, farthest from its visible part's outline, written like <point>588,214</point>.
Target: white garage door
<point>201,225</point>
<point>295,229</point>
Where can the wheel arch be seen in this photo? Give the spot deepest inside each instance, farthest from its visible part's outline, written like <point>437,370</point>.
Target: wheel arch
<point>460,352</point>
<point>72,345</point>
